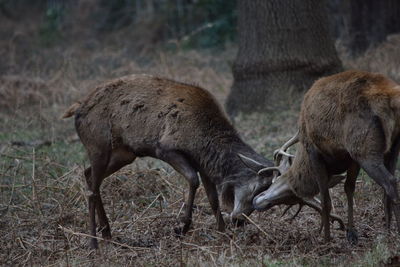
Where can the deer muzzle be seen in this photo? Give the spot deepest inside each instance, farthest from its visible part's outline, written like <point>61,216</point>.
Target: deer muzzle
<point>278,193</point>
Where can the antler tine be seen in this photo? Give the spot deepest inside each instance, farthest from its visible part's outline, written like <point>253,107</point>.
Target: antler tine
<point>315,205</point>
<point>289,143</point>
<point>317,200</point>
<point>297,212</point>
<point>283,153</point>
<point>274,168</point>
<point>286,210</point>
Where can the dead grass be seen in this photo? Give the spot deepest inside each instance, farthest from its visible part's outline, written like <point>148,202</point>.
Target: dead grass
<point>43,208</point>
<point>17,92</point>
<point>384,58</point>
<point>44,221</point>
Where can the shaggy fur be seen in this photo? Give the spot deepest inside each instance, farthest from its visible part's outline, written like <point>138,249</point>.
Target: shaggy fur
<point>183,125</point>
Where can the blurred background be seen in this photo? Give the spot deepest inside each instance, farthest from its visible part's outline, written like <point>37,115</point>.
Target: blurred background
<point>84,40</point>
<point>257,57</point>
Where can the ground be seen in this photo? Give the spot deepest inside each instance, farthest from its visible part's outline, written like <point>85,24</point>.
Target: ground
<point>43,206</point>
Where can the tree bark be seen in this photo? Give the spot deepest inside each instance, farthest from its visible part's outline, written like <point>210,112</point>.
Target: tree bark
<point>369,22</point>
<point>283,45</point>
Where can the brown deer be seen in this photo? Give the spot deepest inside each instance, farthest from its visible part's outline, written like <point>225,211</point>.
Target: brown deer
<point>347,121</point>
<point>181,124</point>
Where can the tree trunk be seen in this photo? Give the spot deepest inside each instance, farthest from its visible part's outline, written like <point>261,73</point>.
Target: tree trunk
<point>369,22</point>
<point>283,45</point>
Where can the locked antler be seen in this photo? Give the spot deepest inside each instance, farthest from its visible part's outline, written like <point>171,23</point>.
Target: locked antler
<point>279,153</point>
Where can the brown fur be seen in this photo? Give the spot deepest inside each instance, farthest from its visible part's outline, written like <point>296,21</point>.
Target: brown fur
<point>183,125</point>
<point>347,120</point>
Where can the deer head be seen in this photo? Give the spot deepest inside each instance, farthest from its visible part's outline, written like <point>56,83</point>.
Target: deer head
<point>279,192</point>
<point>245,191</point>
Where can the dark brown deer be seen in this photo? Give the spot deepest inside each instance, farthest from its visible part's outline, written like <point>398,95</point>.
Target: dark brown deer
<point>183,125</point>
<point>347,121</point>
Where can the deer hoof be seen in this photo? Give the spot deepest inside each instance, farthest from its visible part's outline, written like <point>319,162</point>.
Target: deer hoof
<point>105,232</point>
<point>186,223</point>
<point>180,231</point>
<point>238,222</point>
<point>221,227</point>
<point>93,244</point>
<point>352,236</point>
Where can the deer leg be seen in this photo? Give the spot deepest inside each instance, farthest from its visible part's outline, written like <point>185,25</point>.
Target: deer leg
<point>179,162</point>
<point>104,226</point>
<point>396,208</point>
<point>388,210</point>
<point>98,167</point>
<point>349,188</point>
<point>119,158</point>
<point>323,184</point>
<point>326,210</point>
<point>212,196</point>
<point>390,163</point>
<point>380,174</point>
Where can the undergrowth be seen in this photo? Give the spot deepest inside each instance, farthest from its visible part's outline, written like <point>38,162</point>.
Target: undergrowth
<point>43,207</point>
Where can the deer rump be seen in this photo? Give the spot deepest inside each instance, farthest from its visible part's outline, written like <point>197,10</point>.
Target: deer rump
<point>347,121</point>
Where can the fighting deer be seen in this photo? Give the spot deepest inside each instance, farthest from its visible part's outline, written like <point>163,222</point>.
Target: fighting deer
<point>180,124</point>
<point>347,121</point>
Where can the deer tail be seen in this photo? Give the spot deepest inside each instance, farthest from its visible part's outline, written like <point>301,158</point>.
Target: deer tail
<point>71,110</point>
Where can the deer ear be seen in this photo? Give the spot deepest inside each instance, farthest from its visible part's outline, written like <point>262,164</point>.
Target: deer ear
<point>251,163</point>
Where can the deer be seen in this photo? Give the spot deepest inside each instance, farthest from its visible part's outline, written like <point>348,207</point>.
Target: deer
<point>183,125</point>
<point>347,121</point>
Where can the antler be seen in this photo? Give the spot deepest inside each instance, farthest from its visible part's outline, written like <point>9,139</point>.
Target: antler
<point>315,205</point>
<point>274,168</point>
<point>282,168</point>
<point>282,151</point>
<point>297,212</point>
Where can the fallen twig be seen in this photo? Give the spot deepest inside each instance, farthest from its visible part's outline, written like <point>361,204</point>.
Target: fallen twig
<point>100,238</point>
<point>148,207</point>
<point>35,144</point>
<point>258,227</point>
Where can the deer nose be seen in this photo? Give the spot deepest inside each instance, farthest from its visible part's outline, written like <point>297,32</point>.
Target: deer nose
<point>258,203</point>
<point>255,204</point>
<point>263,201</point>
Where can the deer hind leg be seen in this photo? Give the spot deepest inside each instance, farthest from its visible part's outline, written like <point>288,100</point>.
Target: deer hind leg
<point>326,210</point>
<point>390,163</point>
<point>212,195</point>
<point>323,184</point>
<point>381,175</point>
<point>181,164</point>
<point>349,188</point>
<point>118,159</point>
<point>94,176</point>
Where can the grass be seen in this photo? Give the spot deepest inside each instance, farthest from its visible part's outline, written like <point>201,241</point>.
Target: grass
<point>43,207</point>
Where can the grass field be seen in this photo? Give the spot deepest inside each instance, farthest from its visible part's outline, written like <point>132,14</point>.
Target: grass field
<point>43,207</point>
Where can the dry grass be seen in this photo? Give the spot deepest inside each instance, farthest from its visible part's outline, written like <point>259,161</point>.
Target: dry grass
<point>43,208</point>
<point>384,58</point>
<point>44,221</point>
